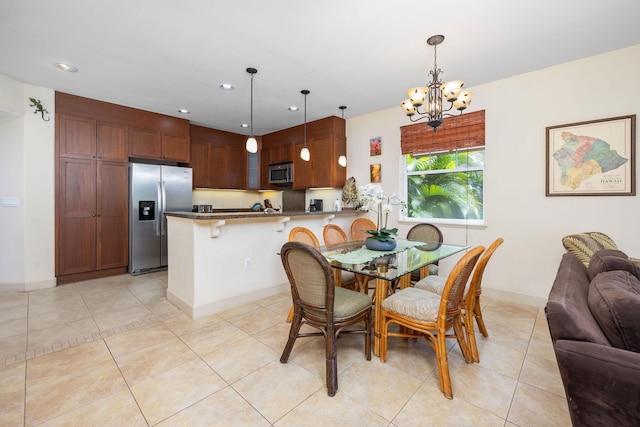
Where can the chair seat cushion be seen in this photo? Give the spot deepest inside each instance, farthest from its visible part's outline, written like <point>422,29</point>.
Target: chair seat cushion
<point>614,301</point>
<point>433,284</point>
<point>414,303</point>
<point>347,303</point>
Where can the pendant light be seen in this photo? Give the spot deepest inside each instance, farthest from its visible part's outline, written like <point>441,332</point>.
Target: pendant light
<point>342,160</point>
<point>252,144</point>
<point>304,153</point>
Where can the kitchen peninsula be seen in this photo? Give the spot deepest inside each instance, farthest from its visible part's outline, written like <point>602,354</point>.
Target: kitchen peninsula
<point>221,260</point>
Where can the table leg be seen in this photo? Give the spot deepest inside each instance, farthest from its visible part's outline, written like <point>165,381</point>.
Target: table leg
<point>382,286</point>
<point>381,293</point>
<point>361,283</point>
<point>337,276</point>
<point>424,271</point>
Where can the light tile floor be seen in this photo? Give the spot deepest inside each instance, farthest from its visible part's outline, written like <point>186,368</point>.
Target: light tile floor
<point>113,351</point>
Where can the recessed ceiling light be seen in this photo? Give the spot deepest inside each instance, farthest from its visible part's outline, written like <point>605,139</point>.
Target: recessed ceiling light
<point>226,86</point>
<point>184,111</point>
<point>66,67</point>
<point>244,125</point>
<point>293,108</point>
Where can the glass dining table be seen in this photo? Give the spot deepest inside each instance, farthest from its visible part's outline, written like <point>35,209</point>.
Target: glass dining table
<point>390,269</point>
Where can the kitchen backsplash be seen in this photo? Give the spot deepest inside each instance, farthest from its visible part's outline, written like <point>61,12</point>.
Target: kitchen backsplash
<point>231,199</point>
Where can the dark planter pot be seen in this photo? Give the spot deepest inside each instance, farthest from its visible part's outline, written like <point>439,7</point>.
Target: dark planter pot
<point>377,245</point>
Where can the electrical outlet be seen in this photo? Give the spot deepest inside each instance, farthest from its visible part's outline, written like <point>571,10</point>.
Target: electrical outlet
<point>247,263</point>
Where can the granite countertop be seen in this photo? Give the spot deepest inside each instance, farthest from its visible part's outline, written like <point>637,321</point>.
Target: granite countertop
<point>253,214</point>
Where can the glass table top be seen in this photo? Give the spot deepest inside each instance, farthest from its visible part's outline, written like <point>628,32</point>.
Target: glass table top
<point>410,256</point>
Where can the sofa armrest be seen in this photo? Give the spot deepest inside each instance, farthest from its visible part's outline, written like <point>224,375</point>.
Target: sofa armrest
<point>602,383</point>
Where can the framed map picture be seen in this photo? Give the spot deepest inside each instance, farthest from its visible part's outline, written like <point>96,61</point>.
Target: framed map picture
<point>594,158</point>
<point>376,171</point>
<point>375,146</point>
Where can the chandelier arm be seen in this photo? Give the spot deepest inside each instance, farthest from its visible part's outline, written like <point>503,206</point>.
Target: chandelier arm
<point>422,116</point>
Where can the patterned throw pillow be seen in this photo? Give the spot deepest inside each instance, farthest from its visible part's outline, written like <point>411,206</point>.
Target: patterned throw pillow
<point>584,245</point>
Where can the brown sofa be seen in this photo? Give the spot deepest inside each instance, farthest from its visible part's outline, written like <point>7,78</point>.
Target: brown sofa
<point>594,318</point>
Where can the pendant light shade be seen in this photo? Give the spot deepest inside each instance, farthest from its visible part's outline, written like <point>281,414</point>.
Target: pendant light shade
<point>252,144</point>
<point>304,153</point>
<point>342,160</point>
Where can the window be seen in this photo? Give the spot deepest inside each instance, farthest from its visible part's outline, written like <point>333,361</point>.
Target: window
<point>447,185</point>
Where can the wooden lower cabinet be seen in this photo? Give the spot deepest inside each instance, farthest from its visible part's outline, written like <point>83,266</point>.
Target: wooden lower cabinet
<point>92,216</point>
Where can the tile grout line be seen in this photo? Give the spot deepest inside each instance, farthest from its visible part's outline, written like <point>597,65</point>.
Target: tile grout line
<point>76,341</point>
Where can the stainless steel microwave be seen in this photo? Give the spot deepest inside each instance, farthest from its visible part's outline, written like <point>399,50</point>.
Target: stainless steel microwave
<point>281,173</point>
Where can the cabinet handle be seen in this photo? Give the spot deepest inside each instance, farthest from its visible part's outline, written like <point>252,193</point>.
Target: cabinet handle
<point>93,215</point>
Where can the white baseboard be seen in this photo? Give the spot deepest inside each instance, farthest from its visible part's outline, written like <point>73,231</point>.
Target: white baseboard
<point>26,287</point>
<point>226,304</point>
<point>514,297</point>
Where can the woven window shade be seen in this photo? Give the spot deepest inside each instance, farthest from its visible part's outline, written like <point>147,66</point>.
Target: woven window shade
<point>465,131</point>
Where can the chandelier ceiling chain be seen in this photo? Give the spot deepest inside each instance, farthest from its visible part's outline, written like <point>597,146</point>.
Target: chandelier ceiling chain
<point>431,96</point>
<point>304,153</point>
<point>252,144</point>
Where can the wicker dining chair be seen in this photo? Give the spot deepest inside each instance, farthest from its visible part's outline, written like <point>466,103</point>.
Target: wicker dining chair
<point>430,316</point>
<point>359,226</point>
<point>471,303</point>
<point>304,235</point>
<point>320,304</point>
<point>333,235</point>
<point>426,233</point>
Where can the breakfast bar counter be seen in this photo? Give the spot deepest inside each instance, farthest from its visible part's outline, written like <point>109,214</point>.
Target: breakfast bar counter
<point>218,261</point>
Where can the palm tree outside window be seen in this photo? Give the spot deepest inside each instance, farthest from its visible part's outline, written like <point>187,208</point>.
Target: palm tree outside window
<point>447,185</point>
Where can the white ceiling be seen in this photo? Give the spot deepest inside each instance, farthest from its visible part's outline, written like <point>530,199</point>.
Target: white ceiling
<point>162,55</point>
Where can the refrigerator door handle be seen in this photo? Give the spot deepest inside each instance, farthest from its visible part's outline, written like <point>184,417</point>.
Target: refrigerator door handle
<point>158,210</point>
<point>163,207</point>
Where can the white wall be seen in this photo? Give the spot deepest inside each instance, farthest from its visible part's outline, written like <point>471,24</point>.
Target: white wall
<point>27,250</point>
<point>517,111</point>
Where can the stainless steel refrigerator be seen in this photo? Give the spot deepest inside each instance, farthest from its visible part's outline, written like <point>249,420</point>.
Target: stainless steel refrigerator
<point>154,189</point>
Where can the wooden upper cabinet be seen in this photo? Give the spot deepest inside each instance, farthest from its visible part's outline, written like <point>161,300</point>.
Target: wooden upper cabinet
<point>218,159</point>
<point>176,148</point>
<point>199,164</point>
<point>77,137</point>
<point>145,143</point>
<point>237,167</point>
<point>322,158</point>
<point>112,142</point>
<point>325,143</point>
<point>302,171</point>
<point>154,144</point>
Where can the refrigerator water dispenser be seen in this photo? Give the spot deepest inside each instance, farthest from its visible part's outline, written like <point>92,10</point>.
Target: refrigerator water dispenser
<point>146,210</point>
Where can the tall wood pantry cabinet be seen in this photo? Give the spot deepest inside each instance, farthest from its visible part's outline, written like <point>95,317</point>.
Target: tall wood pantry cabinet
<point>92,195</point>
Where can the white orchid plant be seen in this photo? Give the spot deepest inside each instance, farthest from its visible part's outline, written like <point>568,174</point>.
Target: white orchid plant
<point>371,198</point>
